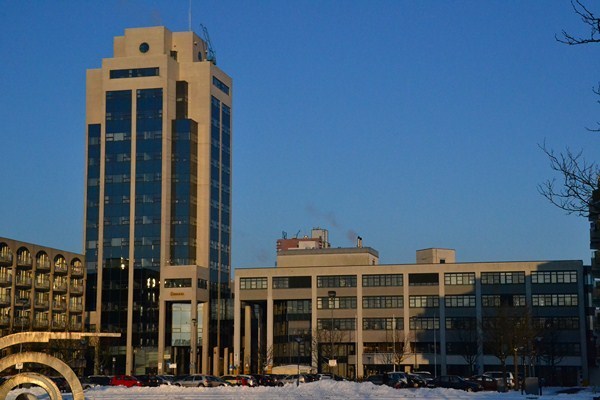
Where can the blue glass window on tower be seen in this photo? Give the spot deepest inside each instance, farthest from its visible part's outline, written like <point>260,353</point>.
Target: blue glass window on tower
<point>92,197</point>
<point>148,178</point>
<point>220,85</point>
<point>215,192</point>
<point>115,245</point>
<point>133,73</point>
<point>183,192</point>
<point>148,184</point>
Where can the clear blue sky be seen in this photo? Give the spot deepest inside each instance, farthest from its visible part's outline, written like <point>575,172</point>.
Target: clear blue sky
<point>411,123</point>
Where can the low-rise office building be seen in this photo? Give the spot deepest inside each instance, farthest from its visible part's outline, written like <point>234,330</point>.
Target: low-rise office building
<point>340,311</point>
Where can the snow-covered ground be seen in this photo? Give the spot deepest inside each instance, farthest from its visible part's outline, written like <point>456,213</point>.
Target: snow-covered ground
<point>322,390</point>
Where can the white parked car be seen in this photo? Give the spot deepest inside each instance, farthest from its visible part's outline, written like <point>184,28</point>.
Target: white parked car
<point>498,376</point>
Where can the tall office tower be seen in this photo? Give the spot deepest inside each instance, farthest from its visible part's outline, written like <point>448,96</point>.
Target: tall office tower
<point>158,203</point>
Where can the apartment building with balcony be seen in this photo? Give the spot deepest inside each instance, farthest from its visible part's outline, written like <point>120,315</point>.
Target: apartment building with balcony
<point>41,288</point>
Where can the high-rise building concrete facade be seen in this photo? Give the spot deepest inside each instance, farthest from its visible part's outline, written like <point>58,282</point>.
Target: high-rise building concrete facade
<point>158,201</point>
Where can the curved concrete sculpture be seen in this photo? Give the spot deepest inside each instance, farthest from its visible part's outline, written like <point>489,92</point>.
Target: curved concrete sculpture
<point>45,359</point>
<point>40,358</point>
<point>31,377</point>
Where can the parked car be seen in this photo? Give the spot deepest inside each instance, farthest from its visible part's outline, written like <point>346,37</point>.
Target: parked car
<point>396,380</point>
<point>125,380</point>
<point>94,381</point>
<point>265,380</point>
<point>486,381</point>
<point>215,381</point>
<point>149,380</point>
<point>456,382</point>
<point>166,379</point>
<point>295,378</point>
<point>426,375</point>
<point>276,379</point>
<point>416,380</point>
<point>375,379</point>
<point>240,380</point>
<point>499,376</point>
<point>200,380</point>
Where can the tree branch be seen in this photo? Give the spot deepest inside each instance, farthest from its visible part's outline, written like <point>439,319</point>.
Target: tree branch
<point>589,19</point>
<point>579,180</point>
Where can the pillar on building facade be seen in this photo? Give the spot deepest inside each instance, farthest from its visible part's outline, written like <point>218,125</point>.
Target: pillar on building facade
<point>162,317</point>
<point>226,360</point>
<point>216,357</point>
<point>193,336</point>
<point>270,348</point>
<point>247,338</point>
<point>237,318</point>
<point>205,337</point>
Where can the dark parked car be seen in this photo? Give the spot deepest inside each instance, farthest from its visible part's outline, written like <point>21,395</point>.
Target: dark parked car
<point>396,380</point>
<point>487,382</point>
<point>415,380</point>
<point>95,380</point>
<point>265,380</point>
<point>149,380</point>
<point>456,382</point>
<point>426,375</point>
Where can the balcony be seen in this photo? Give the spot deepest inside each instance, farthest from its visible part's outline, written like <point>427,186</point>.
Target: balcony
<point>6,259</point>
<point>77,290</point>
<point>4,320</point>
<point>6,279</point>
<point>23,281</point>
<point>76,308</point>
<point>60,286</point>
<point>4,299</point>
<point>59,306</point>
<point>76,271</point>
<point>60,268</point>
<point>43,265</point>
<point>75,326</point>
<point>60,325</point>
<point>24,261</point>
<point>41,303</point>
<point>41,324</point>
<point>42,284</point>
<point>20,324</point>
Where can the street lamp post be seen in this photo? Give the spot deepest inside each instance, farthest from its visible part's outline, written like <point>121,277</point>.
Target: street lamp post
<point>331,295</point>
<point>298,340</point>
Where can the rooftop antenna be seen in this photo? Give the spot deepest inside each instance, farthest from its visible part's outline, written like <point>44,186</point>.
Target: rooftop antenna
<point>190,17</point>
<point>210,52</point>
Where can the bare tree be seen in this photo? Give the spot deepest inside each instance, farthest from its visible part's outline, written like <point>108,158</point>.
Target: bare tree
<point>264,356</point>
<point>573,193</point>
<point>321,349</point>
<point>589,19</point>
<point>396,348</point>
<point>469,338</point>
<point>550,350</point>
<point>578,178</point>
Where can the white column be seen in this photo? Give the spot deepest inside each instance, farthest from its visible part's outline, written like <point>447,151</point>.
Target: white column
<point>247,339</point>
<point>237,321</point>
<point>270,317</point>
<point>162,317</point>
